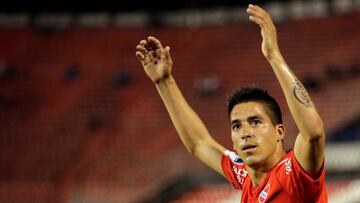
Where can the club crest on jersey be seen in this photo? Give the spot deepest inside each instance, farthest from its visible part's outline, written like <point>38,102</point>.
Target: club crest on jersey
<point>264,193</point>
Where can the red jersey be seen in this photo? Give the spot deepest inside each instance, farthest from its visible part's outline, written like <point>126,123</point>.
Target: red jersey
<point>285,182</point>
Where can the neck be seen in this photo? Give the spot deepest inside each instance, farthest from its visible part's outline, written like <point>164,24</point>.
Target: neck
<point>258,173</point>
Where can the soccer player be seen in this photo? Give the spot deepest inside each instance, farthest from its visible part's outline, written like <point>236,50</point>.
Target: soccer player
<point>260,166</point>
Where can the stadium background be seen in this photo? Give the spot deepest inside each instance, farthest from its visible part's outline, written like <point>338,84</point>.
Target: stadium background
<point>81,122</point>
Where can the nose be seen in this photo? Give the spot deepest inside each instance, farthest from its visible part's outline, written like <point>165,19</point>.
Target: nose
<point>245,132</point>
<point>245,136</point>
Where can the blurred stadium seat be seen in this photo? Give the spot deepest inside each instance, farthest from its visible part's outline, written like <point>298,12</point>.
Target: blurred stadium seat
<point>50,152</point>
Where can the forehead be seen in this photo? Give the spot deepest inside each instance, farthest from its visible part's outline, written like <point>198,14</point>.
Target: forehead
<point>248,109</point>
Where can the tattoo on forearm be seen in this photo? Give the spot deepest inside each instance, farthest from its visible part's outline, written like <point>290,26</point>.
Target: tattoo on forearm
<point>300,93</point>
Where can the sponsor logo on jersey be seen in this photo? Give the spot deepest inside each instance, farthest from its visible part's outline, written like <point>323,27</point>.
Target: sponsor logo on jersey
<point>240,174</point>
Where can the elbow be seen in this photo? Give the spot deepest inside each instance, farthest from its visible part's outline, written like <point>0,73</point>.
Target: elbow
<point>316,136</point>
<point>191,149</point>
<point>194,147</point>
<point>317,131</point>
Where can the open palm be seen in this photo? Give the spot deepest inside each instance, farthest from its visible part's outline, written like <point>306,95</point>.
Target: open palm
<point>155,59</point>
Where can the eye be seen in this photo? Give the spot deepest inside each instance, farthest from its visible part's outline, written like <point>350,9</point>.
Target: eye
<point>255,122</point>
<point>235,127</point>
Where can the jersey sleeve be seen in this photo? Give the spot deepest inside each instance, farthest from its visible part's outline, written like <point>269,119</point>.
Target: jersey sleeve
<point>298,182</point>
<point>233,169</point>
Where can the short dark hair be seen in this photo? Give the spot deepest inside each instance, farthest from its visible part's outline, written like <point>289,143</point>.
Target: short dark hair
<point>257,94</point>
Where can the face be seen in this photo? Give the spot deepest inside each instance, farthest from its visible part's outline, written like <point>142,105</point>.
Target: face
<point>254,136</point>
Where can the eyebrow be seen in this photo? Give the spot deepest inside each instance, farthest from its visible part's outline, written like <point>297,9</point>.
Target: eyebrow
<point>249,118</point>
<point>253,117</point>
<point>235,121</point>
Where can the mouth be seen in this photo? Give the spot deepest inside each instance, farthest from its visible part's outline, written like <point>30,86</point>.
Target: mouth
<point>248,147</point>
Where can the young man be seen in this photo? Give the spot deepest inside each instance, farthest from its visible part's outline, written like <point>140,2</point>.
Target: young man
<point>260,166</point>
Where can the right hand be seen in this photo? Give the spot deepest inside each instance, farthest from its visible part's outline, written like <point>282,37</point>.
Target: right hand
<point>155,59</point>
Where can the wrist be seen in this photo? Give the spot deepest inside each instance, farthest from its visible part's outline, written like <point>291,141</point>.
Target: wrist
<point>275,57</point>
<point>163,80</point>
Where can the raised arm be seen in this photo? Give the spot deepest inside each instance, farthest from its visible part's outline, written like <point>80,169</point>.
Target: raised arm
<point>157,64</point>
<point>309,144</point>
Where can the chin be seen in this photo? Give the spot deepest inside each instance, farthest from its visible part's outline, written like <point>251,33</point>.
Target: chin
<point>253,161</point>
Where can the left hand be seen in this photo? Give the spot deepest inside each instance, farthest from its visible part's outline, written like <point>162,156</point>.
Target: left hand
<point>269,46</point>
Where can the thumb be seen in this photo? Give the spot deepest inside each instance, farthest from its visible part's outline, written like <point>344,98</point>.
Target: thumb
<point>167,53</point>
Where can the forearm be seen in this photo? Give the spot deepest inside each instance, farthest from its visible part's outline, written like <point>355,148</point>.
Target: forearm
<point>189,126</point>
<point>301,107</point>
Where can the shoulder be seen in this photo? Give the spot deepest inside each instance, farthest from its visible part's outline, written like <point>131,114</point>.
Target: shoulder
<point>234,169</point>
<point>295,181</point>
<point>232,162</point>
<point>285,165</point>
<point>233,157</point>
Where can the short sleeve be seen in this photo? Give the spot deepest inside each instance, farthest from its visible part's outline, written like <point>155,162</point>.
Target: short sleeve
<point>233,169</point>
<point>298,182</point>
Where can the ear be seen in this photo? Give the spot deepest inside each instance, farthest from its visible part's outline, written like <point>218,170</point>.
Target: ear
<point>280,132</point>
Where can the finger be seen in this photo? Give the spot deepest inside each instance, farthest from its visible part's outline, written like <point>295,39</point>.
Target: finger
<point>146,45</point>
<point>141,49</point>
<point>260,10</point>
<point>254,16</point>
<point>257,10</point>
<point>155,43</point>
<point>257,20</point>
<point>144,59</point>
<point>143,42</point>
<point>259,16</point>
<point>140,56</point>
<point>251,10</point>
<point>167,53</point>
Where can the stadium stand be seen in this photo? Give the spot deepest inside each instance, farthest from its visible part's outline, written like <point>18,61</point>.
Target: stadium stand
<point>88,140</point>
